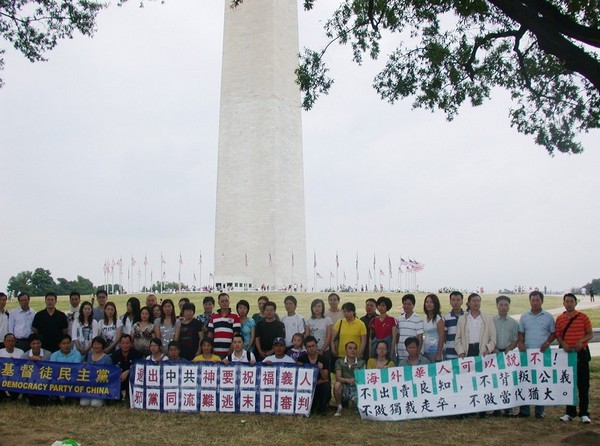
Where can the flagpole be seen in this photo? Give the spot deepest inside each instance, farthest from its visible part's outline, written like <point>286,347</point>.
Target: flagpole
<point>200,278</point>
<point>356,270</point>
<point>315,271</point>
<point>374,272</point>
<point>337,272</point>
<point>162,261</point>
<point>145,272</point>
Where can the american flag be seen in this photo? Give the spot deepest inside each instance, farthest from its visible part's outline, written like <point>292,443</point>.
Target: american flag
<point>145,260</point>
<point>337,260</point>
<point>319,276</point>
<point>180,259</point>
<point>162,259</point>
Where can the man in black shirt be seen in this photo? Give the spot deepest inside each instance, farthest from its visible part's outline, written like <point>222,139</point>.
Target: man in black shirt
<point>267,330</point>
<point>50,324</point>
<point>323,390</point>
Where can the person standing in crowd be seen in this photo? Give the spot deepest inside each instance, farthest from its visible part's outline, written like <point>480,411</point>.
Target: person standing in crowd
<point>3,318</point>
<point>536,330</point>
<point>507,329</point>
<point>85,328</point>
<point>73,313</point>
<point>573,332</point>
<point>262,300</point>
<point>222,326</point>
<point>323,388</point>
<point>167,327</point>
<point>367,319</point>
<point>124,357</point>
<point>50,323</point>
<point>208,304</point>
<point>248,326</point>
<point>181,303</point>
<point>294,323</point>
<point>142,332</point>
<point>348,329</point>
<point>450,322</point>
<point>344,388</point>
<point>151,301</point>
<point>102,298</point>
<point>111,327</point>
<point>383,327</point>
<point>334,312</point>
<point>434,330</point>
<point>156,311</point>
<point>321,328</point>
<point>409,325</point>
<point>20,320</point>
<point>267,330</point>
<point>190,333</point>
<point>475,332</point>
<point>132,314</point>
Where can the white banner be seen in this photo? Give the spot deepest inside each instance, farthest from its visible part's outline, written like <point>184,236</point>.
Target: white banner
<point>468,385</point>
<point>208,387</point>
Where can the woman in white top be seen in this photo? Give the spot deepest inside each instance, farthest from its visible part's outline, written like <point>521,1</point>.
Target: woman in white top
<point>84,329</point>
<point>156,354</point>
<point>434,329</point>
<point>111,327</point>
<point>320,326</point>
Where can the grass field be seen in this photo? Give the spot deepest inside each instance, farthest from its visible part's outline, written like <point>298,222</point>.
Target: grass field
<point>119,425</point>
<point>520,302</point>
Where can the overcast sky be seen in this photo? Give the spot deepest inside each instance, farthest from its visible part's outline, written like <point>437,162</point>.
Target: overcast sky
<point>109,150</point>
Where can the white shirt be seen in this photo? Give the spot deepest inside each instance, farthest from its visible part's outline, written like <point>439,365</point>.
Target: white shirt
<point>17,353</point>
<point>243,358</point>
<point>293,324</point>
<point>19,322</point>
<point>3,324</point>
<point>273,359</point>
<point>474,326</point>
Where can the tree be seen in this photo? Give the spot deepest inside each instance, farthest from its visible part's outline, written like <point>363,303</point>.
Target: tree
<point>42,282</point>
<point>21,283</point>
<point>544,52</point>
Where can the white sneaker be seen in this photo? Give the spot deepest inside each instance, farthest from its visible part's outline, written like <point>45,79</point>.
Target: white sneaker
<point>585,419</point>
<point>565,418</point>
<point>338,412</point>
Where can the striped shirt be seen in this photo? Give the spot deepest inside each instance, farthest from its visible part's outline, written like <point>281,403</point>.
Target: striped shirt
<point>576,330</point>
<point>408,327</point>
<point>536,328</point>
<point>451,320</point>
<point>223,328</point>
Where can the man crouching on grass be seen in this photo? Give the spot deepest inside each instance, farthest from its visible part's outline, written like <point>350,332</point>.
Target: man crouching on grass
<point>345,385</point>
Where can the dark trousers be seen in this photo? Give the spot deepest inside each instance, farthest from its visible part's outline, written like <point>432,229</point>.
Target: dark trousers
<point>322,397</point>
<point>473,349</point>
<point>583,385</point>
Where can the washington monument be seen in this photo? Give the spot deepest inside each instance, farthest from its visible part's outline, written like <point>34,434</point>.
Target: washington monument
<point>260,236</point>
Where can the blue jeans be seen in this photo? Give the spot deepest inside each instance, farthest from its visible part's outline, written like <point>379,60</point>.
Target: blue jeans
<point>539,410</point>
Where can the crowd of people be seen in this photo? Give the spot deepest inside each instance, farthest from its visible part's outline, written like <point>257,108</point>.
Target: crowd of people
<point>333,338</point>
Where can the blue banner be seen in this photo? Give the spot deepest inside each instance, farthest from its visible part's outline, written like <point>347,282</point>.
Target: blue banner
<point>60,379</point>
<point>281,389</point>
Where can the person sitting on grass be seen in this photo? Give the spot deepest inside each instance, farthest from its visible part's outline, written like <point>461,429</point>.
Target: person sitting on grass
<point>174,352</point>
<point>208,352</point>
<point>96,356</point>
<point>156,355</point>
<point>124,357</point>
<point>323,389</point>
<point>239,355</point>
<point>278,355</point>
<point>297,347</point>
<point>65,353</point>
<point>36,352</point>
<point>382,359</point>
<point>411,346</point>
<point>344,388</point>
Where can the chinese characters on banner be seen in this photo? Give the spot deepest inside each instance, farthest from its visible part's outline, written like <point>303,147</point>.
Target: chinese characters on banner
<point>60,379</point>
<point>208,387</point>
<point>468,385</point>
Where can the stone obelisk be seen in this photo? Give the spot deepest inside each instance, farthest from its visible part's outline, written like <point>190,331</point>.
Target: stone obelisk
<point>260,236</point>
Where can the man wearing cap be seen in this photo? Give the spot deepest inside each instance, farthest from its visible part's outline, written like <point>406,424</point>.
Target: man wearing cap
<point>278,355</point>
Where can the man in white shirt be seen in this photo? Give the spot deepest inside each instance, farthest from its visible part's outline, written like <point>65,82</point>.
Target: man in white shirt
<point>10,351</point>
<point>294,323</point>
<point>278,355</point>
<point>3,318</point>
<point>20,320</point>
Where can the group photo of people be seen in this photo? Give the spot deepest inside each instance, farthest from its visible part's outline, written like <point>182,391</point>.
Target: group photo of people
<point>332,338</point>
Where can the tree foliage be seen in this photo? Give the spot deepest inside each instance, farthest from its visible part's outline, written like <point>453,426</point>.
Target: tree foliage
<point>40,281</point>
<point>544,52</point>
